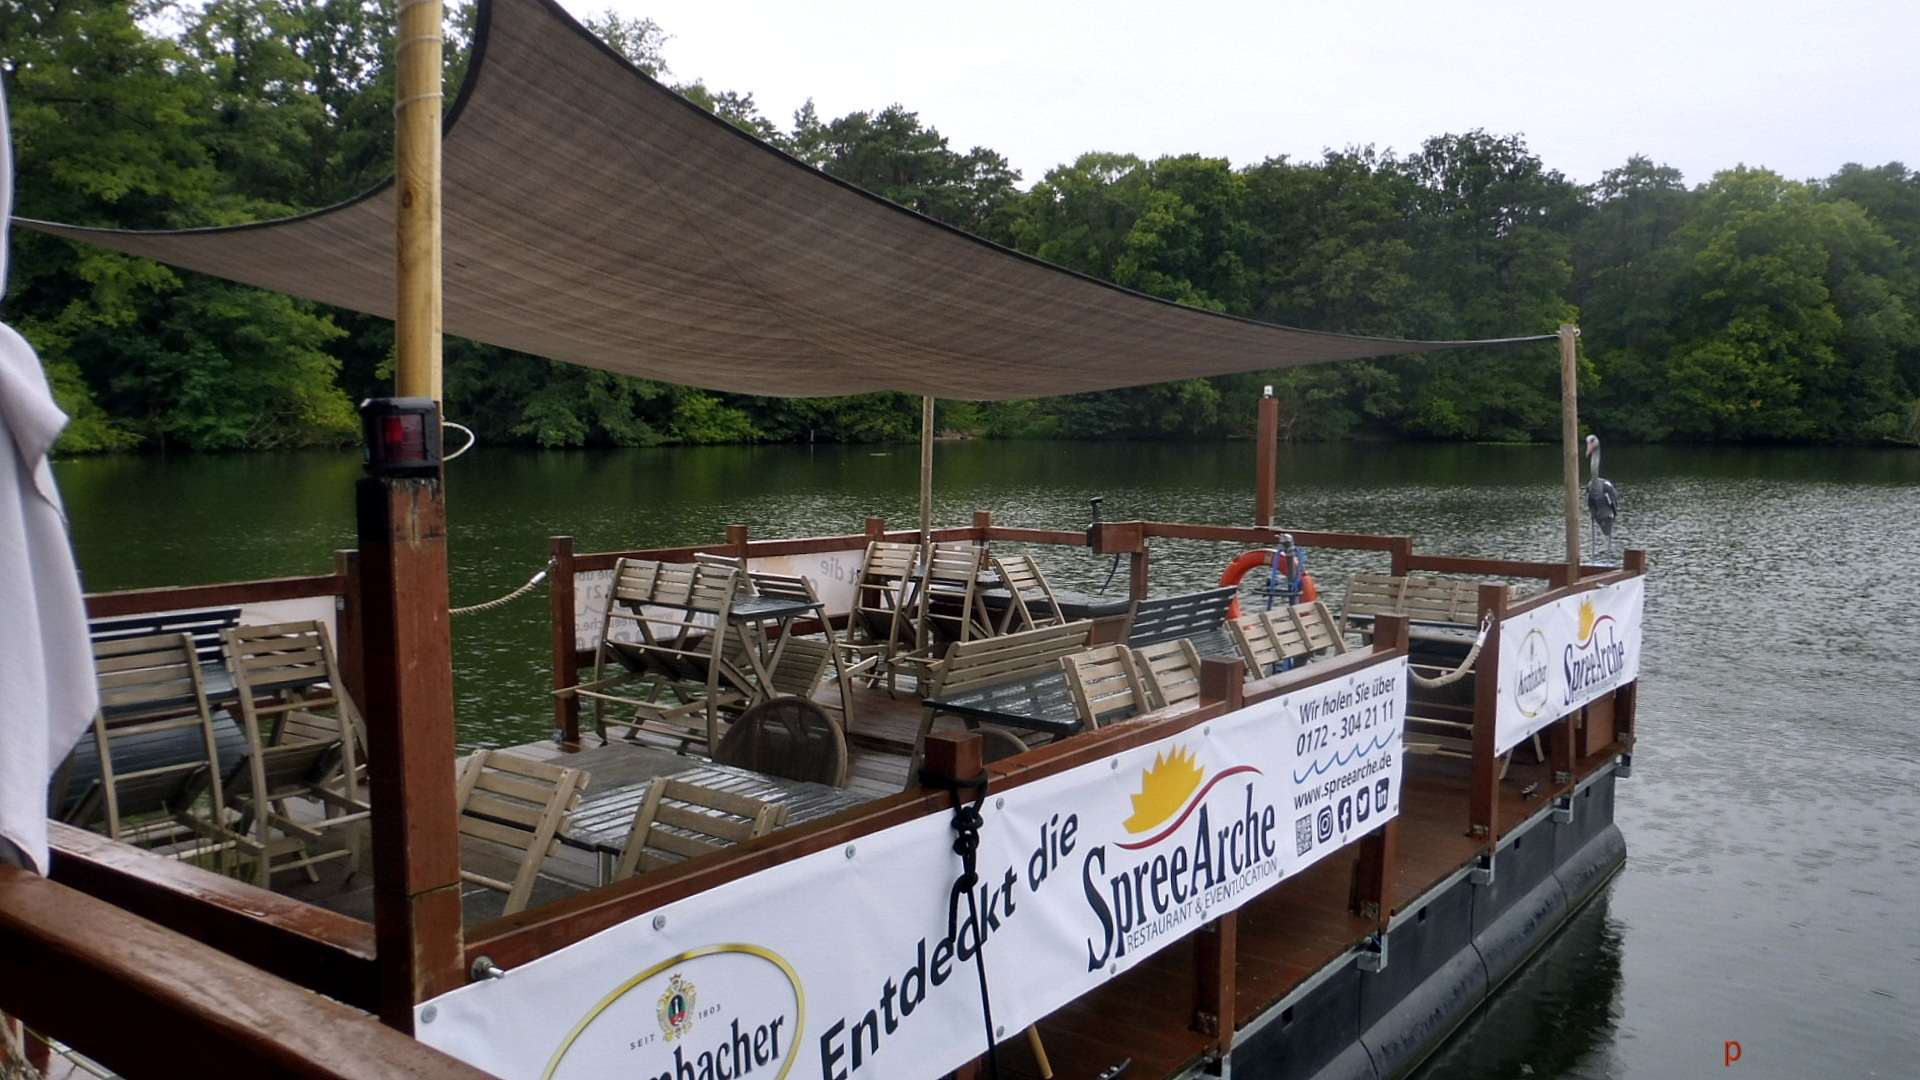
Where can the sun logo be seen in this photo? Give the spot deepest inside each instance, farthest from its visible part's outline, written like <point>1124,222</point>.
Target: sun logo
<point>1587,619</point>
<point>1164,789</point>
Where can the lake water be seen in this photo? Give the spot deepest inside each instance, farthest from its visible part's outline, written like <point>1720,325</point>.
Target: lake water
<point>1772,889</point>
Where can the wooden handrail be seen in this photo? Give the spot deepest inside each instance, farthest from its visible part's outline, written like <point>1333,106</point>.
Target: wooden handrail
<point>113,605</point>
<point>316,948</point>
<point>148,1002</point>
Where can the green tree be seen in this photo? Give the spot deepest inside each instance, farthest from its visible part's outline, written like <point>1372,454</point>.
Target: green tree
<point>1789,321</point>
<point>892,155</point>
<point>116,127</point>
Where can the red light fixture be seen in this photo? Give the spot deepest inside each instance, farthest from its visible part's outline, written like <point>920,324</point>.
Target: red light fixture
<point>403,436</point>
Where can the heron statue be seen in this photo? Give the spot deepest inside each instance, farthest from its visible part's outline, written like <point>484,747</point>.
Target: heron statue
<point>1603,499</point>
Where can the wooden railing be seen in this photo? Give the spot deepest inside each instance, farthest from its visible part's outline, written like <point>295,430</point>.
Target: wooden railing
<point>147,1001</point>
<point>267,936</point>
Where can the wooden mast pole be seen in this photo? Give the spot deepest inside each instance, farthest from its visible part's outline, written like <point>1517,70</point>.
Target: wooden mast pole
<point>926,469</point>
<point>1266,461</point>
<point>406,627</point>
<point>416,152</point>
<point>1570,439</point>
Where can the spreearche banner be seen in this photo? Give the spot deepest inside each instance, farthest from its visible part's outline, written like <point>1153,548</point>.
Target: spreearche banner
<point>1557,658</point>
<point>842,965</point>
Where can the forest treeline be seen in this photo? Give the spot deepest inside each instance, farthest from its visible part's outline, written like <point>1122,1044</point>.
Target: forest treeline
<point>1750,307</point>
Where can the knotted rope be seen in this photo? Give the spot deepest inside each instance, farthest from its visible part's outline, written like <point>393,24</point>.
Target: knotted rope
<point>1466,665</point>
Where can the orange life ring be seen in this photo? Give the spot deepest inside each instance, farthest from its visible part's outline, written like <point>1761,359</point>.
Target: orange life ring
<point>1238,568</point>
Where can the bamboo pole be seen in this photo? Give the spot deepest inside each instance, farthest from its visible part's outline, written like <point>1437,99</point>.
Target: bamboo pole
<point>926,470</point>
<point>417,203</point>
<point>1570,439</point>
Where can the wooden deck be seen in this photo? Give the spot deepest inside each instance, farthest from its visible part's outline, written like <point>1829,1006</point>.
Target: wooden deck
<point>1284,936</point>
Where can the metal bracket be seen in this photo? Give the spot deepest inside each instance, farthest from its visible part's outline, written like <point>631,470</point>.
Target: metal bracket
<point>1625,767</point>
<point>1482,872</point>
<point>1563,810</point>
<point>1373,953</point>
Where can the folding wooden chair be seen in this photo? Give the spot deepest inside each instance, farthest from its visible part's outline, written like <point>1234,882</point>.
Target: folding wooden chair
<point>519,804</point>
<point>1170,670</point>
<point>1031,602</point>
<point>680,821</point>
<point>880,624</point>
<point>796,656</point>
<point>286,681</point>
<point>1106,685</point>
<point>155,738</point>
<point>661,663</point>
<point>950,608</point>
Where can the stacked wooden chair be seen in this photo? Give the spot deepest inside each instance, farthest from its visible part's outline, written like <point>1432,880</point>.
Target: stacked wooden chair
<point>799,662</point>
<point>661,665</point>
<point>1031,601</point>
<point>305,745</point>
<point>880,625</point>
<point>950,607</point>
<point>158,751</point>
<point>520,807</point>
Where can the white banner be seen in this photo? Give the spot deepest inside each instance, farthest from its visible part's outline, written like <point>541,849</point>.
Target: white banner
<point>832,574</point>
<point>842,965</point>
<point>1557,658</point>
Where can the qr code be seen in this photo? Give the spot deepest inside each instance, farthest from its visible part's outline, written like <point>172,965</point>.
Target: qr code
<point>1303,834</point>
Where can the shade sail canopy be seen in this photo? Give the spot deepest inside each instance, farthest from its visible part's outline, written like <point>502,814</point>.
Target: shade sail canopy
<point>594,216</point>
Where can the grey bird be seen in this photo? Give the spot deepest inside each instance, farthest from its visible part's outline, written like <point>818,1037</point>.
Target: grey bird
<point>1603,499</point>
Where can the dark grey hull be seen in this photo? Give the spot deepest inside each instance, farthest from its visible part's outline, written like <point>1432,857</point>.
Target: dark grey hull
<point>1443,956</point>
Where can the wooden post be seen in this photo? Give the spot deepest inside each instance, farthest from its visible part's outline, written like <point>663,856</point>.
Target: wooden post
<point>1223,680</point>
<point>1216,960</point>
<point>737,542</point>
<point>416,151</point>
<point>346,625</point>
<point>1483,802</point>
<point>1372,896</point>
<point>926,470</point>
<point>1137,573</point>
<point>1401,554</point>
<point>983,520</point>
<point>566,645</point>
<point>1266,462</point>
<point>410,741</point>
<point>1570,438</point>
<point>876,528</point>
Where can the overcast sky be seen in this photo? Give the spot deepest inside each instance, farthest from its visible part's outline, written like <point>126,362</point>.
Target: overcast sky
<point>1701,85</point>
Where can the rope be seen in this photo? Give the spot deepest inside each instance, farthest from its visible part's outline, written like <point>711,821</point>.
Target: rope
<point>532,583</point>
<point>1466,665</point>
<point>966,844</point>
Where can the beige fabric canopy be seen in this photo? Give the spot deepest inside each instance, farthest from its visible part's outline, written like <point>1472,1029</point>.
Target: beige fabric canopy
<point>594,216</point>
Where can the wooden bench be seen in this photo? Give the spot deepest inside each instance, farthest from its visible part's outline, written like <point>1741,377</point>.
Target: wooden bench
<point>205,626</point>
<point>1199,617</point>
<point>1014,680</point>
<point>1438,608</point>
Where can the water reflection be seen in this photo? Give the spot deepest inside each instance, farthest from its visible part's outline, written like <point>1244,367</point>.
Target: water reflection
<point>1557,1017</point>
